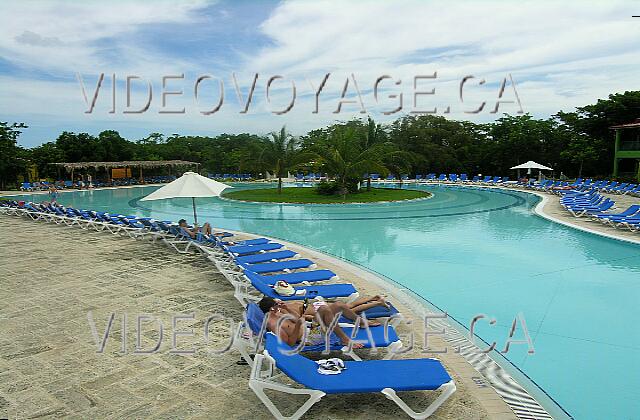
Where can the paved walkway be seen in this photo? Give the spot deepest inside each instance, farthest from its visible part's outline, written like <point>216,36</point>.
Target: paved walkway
<point>52,276</point>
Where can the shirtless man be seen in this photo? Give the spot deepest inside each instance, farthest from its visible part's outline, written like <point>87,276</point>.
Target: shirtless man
<point>193,232</point>
<point>291,331</point>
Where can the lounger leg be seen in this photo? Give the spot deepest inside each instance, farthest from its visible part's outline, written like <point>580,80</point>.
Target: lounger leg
<point>447,390</point>
<point>393,349</point>
<point>258,383</point>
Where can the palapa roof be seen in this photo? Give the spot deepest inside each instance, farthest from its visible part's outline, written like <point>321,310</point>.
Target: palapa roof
<point>126,163</point>
<point>635,124</point>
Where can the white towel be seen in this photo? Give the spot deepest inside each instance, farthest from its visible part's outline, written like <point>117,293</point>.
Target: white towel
<point>332,366</point>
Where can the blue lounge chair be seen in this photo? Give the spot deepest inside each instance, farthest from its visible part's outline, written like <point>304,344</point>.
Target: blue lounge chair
<point>632,191</point>
<point>581,210</point>
<point>385,376</point>
<point>240,250</point>
<point>632,223</point>
<point>613,217</point>
<point>256,241</point>
<point>243,294</point>
<point>266,257</point>
<point>250,334</point>
<point>292,278</point>
<point>274,267</point>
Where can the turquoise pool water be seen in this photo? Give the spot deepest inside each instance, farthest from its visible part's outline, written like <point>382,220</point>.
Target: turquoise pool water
<point>470,251</point>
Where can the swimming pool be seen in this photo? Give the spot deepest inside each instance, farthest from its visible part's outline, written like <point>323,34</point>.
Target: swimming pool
<point>471,251</point>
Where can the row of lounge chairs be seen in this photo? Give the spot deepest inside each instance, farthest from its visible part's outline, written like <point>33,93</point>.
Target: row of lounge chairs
<point>558,187</point>
<point>596,207</point>
<point>68,184</point>
<point>231,177</point>
<point>310,177</point>
<point>584,198</point>
<point>459,178</point>
<point>252,267</point>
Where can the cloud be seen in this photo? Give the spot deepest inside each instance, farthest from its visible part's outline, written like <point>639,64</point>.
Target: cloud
<point>32,38</point>
<point>65,37</point>
<point>560,54</point>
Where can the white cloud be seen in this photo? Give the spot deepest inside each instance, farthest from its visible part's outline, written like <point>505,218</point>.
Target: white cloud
<point>65,37</point>
<point>561,55</point>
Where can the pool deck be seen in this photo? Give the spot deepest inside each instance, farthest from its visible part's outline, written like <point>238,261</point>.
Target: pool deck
<point>52,276</point>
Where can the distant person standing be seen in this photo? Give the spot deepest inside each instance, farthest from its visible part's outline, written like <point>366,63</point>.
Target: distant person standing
<point>89,179</point>
<point>53,194</point>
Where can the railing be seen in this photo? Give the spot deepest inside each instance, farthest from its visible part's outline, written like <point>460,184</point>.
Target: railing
<point>630,145</point>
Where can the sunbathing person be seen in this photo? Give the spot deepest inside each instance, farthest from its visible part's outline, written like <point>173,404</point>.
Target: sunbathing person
<point>193,232</point>
<point>291,331</point>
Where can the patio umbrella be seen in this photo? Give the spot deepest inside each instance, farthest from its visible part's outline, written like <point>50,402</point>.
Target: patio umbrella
<point>190,185</point>
<point>531,165</point>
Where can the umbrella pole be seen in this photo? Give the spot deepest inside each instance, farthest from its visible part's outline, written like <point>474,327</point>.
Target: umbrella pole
<point>195,216</point>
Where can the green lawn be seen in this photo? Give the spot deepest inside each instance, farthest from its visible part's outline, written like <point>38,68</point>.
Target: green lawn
<point>309,195</point>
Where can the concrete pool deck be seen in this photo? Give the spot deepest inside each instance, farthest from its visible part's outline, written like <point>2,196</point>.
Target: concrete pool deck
<point>53,275</point>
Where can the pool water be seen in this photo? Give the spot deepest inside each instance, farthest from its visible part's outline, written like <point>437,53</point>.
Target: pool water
<point>470,251</point>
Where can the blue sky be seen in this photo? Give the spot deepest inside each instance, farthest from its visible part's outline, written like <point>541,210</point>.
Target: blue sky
<point>560,55</point>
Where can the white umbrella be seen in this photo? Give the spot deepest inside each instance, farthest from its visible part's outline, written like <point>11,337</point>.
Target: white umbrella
<point>532,165</point>
<point>190,185</point>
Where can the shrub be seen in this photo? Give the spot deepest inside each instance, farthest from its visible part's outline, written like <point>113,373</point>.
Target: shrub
<point>327,188</point>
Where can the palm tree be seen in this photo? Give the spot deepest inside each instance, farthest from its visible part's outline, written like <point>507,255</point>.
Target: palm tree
<point>371,138</point>
<point>343,156</point>
<point>280,154</point>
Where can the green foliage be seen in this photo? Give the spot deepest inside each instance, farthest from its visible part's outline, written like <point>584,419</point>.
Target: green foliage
<point>12,157</point>
<point>328,188</point>
<point>571,142</point>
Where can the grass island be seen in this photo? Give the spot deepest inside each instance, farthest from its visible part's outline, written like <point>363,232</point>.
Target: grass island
<point>307,195</point>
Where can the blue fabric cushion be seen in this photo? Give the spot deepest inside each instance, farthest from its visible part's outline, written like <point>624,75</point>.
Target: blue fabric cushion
<point>267,256</point>
<point>299,277</point>
<point>360,376</point>
<point>255,318</point>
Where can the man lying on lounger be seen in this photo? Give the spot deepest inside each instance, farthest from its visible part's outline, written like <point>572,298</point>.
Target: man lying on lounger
<point>321,314</point>
<point>193,232</point>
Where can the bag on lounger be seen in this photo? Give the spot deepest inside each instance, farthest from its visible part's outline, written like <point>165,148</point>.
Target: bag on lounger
<point>284,289</point>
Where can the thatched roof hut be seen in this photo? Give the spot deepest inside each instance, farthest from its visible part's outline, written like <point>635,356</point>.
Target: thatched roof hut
<point>138,164</point>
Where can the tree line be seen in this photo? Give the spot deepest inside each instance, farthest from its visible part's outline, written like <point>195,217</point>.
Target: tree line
<point>576,143</point>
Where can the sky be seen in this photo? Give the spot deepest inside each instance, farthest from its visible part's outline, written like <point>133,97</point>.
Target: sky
<point>550,56</point>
